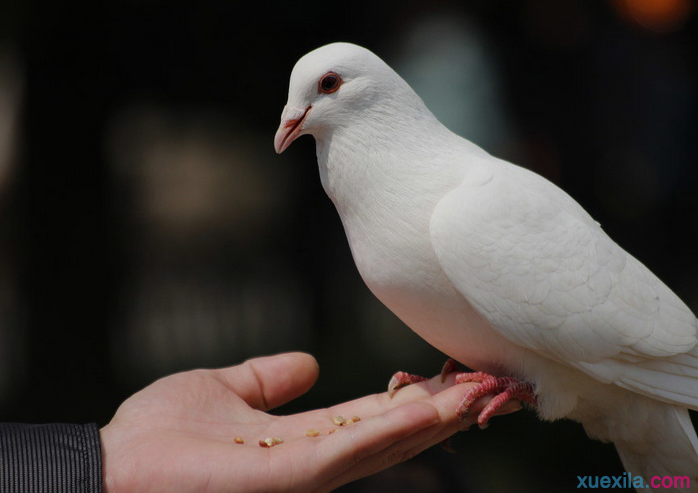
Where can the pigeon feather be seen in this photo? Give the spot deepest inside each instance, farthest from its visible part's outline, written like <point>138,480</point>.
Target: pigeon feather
<point>496,266</point>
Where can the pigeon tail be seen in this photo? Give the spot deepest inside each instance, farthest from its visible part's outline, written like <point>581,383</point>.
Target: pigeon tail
<point>665,452</point>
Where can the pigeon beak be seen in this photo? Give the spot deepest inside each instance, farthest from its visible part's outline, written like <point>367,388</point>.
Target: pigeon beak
<point>292,119</point>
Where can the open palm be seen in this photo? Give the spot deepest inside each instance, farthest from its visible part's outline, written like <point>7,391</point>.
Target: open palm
<point>178,433</point>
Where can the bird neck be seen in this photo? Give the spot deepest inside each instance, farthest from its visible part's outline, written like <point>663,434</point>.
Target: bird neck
<point>373,166</point>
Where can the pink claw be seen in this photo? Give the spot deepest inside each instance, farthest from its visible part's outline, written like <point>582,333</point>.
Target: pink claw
<point>402,379</point>
<point>451,366</point>
<point>505,388</point>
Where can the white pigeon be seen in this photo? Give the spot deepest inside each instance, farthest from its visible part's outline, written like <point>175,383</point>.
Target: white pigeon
<point>496,266</point>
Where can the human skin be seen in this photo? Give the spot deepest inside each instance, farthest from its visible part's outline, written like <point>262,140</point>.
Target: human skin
<point>178,433</point>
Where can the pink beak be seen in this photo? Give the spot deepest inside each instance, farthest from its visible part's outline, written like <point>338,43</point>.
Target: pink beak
<point>292,119</point>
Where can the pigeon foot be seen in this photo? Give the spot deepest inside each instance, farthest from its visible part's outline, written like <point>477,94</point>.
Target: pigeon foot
<point>504,388</point>
<point>403,379</point>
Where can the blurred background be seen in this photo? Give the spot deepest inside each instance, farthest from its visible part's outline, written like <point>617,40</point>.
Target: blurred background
<point>147,227</point>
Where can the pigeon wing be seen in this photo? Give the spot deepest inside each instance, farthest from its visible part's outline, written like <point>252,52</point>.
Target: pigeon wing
<point>547,277</point>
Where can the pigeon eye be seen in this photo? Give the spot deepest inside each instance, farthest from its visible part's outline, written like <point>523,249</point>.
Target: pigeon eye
<point>329,83</point>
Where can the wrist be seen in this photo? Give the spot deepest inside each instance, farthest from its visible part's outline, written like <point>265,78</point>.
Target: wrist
<point>109,454</point>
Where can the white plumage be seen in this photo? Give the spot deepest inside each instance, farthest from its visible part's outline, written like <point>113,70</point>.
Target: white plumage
<point>496,266</point>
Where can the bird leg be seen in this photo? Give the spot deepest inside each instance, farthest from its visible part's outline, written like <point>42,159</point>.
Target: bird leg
<point>504,388</point>
<point>403,379</point>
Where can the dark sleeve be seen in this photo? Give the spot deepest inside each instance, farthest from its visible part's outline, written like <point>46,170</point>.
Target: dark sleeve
<point>50,458</point>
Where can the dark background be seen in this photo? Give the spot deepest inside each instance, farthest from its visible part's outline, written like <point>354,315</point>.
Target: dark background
<point>147,227</point>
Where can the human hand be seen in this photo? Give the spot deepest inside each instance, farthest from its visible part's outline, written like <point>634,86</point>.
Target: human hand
<point>178,433</point>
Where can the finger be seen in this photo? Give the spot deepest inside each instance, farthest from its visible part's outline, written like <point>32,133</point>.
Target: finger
<point>508,408</point>
<point>373,458</point>
<point>353,444</point>
<point>396,453</point>
<point>375,404</point>
<point>379,403</point>
<point>411,446</point>
<point>350,453</point>
<point>268,382</point>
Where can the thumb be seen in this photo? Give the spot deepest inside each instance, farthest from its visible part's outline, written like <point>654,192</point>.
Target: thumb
<point>268,382</point>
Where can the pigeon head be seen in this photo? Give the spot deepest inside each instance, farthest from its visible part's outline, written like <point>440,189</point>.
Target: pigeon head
<point>338,85</point>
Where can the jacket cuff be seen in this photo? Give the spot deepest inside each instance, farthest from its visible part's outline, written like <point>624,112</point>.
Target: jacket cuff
<point>48,458</point>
